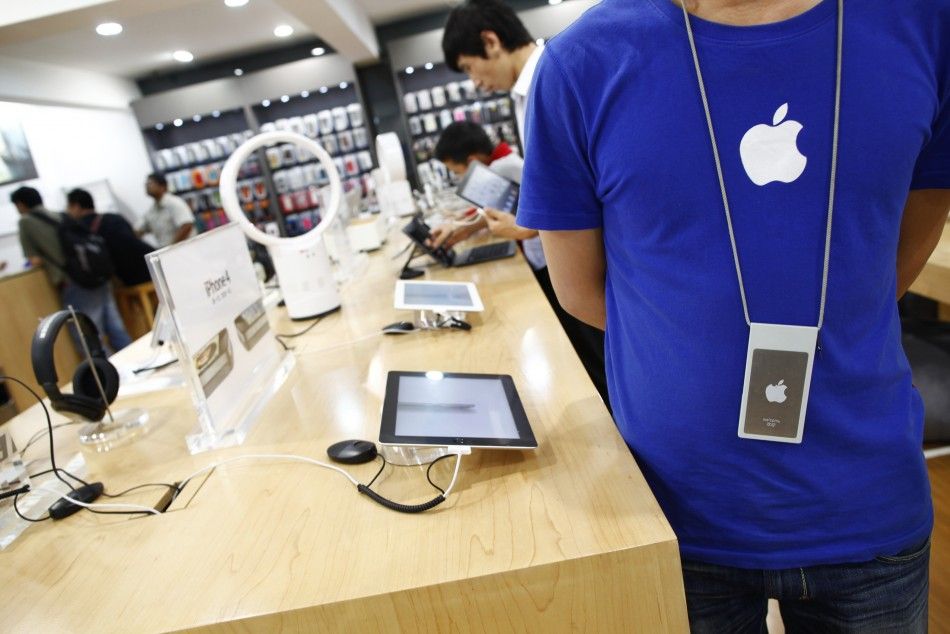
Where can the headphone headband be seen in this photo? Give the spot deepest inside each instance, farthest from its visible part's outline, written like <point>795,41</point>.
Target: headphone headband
<point>41,350</point>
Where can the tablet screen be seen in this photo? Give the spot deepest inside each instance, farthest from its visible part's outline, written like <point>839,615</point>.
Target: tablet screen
<point>454,407</point>
<point>485,188</point>
<point>420,294</point>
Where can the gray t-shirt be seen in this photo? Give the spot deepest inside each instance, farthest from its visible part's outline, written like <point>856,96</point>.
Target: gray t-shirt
<point>40,239</point>
<point>165,217</point>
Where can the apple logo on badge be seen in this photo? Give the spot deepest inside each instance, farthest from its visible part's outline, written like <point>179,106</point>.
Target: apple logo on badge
<point>776,393</point>
<point>769,152</point>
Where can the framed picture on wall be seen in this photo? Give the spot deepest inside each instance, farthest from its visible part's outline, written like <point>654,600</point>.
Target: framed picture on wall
<point>16,161</point>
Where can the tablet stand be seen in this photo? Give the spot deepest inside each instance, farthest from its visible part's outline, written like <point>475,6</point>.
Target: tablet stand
<point>408,456</point>
<point>407,273</point>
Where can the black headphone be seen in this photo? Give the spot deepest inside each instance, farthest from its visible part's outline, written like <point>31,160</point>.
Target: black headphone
<point>86,400</point>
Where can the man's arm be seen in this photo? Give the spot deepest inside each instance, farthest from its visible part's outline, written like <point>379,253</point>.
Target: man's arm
<point>578,267</point>
<point>183,232</point>
<point>925,214</point>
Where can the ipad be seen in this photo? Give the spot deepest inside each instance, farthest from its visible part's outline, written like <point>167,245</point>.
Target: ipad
<point>438,296</point>
<point>454,409</point>
<point>485,188</point>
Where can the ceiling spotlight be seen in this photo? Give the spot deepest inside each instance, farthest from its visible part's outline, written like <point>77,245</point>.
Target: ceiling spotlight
<point>238,72</point>
<point>159,126</point>
<point>317,52</point>
<point>553,2</point>
<point>266,103</point>
<point>283,30</point>
<point>183,56</point>
<point>177,123</point>
<point>235,3</point>
<point>109,28</point>
<point>196,118</point>
<point>285,98</point>
<point>410,70</point>
<point>343,85</point>
<point>216,114</point>
<point>429,65</point>
<point>323,90</point>
<point>305,94</point>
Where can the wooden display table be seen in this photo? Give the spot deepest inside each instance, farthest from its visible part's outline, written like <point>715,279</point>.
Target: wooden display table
<point>564,538</point>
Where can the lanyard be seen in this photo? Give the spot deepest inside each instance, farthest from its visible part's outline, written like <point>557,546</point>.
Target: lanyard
<point>722,184</point>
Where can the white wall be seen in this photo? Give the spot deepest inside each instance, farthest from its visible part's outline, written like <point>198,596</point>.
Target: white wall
<point>34,82</point>
<point>72,146</point>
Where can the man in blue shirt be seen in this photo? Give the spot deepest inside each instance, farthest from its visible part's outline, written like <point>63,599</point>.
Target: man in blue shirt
<point>632,220</point>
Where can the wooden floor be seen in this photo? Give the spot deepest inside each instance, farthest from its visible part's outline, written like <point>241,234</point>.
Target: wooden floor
<point>940,551</point>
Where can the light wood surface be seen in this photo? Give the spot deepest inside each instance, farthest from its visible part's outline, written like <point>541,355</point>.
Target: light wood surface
<point>25,298</point>
<point>564,538</point>
<point>939,603</point>
<point>934,280</point>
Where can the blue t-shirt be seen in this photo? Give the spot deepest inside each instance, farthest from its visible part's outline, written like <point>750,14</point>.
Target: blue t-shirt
<point>618,141</point>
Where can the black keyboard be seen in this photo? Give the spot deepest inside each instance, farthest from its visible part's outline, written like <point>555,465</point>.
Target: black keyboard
<point>487,252</point>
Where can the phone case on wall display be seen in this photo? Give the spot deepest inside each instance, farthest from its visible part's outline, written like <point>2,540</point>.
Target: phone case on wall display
<point>281,182</point>
<point>184,158</point>
<point>169,159</point>
<point>198,151</point>
<point>504,107</point>
<point>274,158</point>
<point>459,114</point>
<point>415,126</point>
<point>430,123</point>
<point>345,140</point>
<point>313,196</point>
<point>198,178</point>
<point>225,145</point>
<point>296,125</point>
<point>351,164</point>
<point>282,124</point>
<point>410,103</point>
<point>286,202</point>
<point>288,154</point>
<point>468,89</point>
<point>355,113</point>
<point>301,200</point>
<point>269,126</point>
<point>365,160</point>
<point>302,154</point>
<point>295,178</point>
<point>445,118</point>
<point>340,166</point>
<point>340,120</point>
<point>311,127</point>
<point>438,97</point>
<point>453,91</point>
<point>212,149</point>
<point>213,173</point>
<point>425,99</point>
<point>330,144</point>
<point>260,189</point>
<point>325,121</point>
<point>360,138</point>
<point>475,112</point>
<point>245,192</point>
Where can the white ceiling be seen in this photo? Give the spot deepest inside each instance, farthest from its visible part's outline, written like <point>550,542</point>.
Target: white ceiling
<point>207,28</point>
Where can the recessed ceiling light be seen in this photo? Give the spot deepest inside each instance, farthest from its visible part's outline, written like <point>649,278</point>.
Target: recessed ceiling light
<point>343,85</point>
<point>235,3</point>
<point>266,103</point>
<point>109,28</point>
<point>159,126</point>
<point>554,2</point>
<point>283,30</point>
<point>317,52</point>
<point>238,72</point>
<point>177,123</point>
<point>285,98</point>
<point>410,70</point>
<point>429,65</point>
<point>216,114</point>
<point>196,118</point>
<point>305,94</point>
<point>323,90</point>
<point>183,56</point>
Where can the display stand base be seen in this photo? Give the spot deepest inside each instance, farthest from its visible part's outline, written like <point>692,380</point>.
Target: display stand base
<point>205,438</point>
<point>412,456</point>
<point>106,435</point>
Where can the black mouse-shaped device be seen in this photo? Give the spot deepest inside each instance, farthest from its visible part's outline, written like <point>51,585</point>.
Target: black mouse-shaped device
<point>352,451</point>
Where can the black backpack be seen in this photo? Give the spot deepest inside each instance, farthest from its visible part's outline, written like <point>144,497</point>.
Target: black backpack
<point>87,260</point>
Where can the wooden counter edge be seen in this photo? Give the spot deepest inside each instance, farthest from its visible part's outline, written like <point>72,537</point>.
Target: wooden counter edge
<point>633,590</point>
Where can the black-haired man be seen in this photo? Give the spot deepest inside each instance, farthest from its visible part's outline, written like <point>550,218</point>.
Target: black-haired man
<point>125,249</point>
<point>170,219</point>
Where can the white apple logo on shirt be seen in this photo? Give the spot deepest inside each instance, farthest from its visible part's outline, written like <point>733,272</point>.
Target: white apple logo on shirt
<point>769,152</point>
<point>776,393</point>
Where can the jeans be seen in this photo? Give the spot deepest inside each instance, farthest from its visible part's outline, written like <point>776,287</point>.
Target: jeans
<point>99,305</point>
<point>886,594</point>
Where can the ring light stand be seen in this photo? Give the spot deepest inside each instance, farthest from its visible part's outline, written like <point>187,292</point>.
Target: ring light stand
<point>301,262</point>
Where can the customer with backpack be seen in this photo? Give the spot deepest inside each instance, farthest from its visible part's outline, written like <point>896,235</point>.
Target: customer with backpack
<point>76,262</point>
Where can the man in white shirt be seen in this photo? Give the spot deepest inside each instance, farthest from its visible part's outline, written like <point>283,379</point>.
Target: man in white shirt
<point>169,219</point>
<point>487,41</point>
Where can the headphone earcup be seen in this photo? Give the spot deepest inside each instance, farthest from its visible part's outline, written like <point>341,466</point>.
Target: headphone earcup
<point>90,409</point>
<point>84,381</point>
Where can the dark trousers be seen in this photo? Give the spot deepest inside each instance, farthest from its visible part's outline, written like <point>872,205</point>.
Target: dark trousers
<point>588,341</point>
<point>886,594</point>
